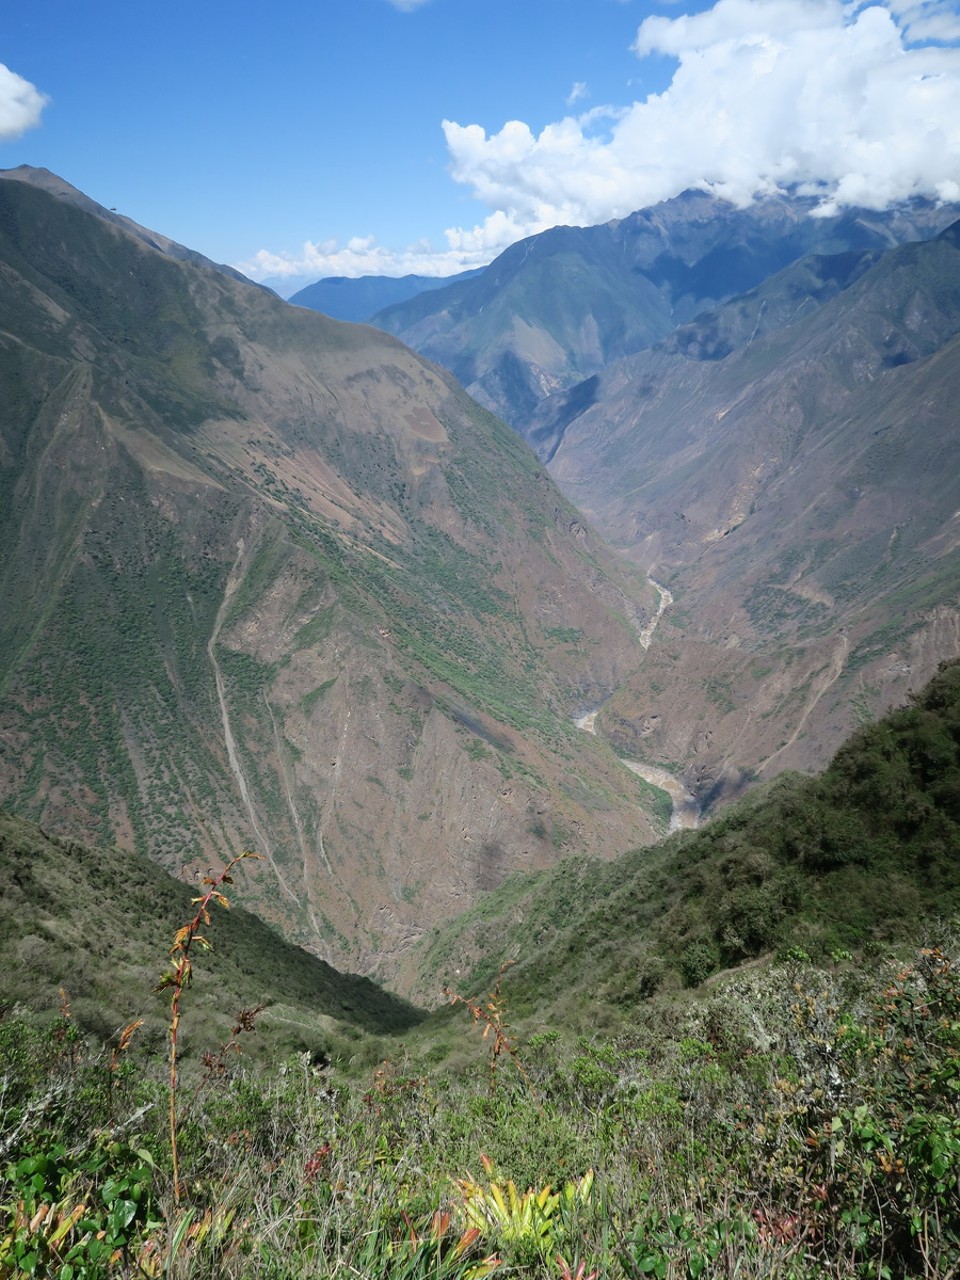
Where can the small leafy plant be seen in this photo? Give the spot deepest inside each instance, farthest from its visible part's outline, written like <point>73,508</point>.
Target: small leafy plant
<point>492,1015</point>
<point>530,1226</point>
<point>76,1216</point>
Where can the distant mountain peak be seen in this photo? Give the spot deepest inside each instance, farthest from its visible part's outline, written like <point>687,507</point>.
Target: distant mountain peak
<point>360,298</point>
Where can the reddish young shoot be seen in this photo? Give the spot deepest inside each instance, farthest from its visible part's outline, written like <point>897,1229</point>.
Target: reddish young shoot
<point>178,979</point>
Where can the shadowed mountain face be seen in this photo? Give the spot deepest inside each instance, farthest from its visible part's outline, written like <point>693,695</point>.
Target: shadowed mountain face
<point>269,580</point>
<point>556,308</point>
<point>790,462</point>
<point>97,924</point>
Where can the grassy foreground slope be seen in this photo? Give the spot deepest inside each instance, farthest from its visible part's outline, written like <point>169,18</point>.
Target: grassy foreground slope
<point>798,1124</point>
<point>796,1121</point>
<point>99,923</point>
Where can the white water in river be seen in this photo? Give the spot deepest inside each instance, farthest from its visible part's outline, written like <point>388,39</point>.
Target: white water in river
<point>666,600</point>
<point>686,811</point>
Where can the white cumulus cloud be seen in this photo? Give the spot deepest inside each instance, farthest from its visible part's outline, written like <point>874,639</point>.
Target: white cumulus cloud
<point>857,104</point>
<point>362,256</point>
<point>21,104</point>
<point>927,19</point>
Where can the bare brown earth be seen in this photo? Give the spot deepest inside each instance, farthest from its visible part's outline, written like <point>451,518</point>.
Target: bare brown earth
<point>271,581</point>
<point>800,498</point>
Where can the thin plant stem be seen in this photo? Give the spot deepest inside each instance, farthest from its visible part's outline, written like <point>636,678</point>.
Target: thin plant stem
<point>178,978</point>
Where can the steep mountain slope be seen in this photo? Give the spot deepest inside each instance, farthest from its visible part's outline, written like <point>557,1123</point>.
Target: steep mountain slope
<point>790,463</point>
<point>270,580</point>
<point>799,1117</point>
<point>343,298</point>
<point>864,852</point>
<point>98,923</point>
<point>556,308</point>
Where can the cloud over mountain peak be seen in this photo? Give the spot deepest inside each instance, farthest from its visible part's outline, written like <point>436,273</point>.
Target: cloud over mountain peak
<point>858,104</point>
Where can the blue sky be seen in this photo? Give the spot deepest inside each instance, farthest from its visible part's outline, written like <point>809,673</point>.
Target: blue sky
<point>360,136</point>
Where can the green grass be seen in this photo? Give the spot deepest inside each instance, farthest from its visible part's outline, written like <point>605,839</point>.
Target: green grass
<point>99,923</point>
<point>796,1121</point>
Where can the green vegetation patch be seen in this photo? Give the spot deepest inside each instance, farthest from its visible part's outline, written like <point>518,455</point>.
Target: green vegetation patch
<point>99,923</point>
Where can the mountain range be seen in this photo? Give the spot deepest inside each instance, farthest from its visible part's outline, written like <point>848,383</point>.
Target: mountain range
<point>272,581</point>
<point>756,407</point>
<point>359,299</point>
<point>790,464</point>
<point>556,308</point>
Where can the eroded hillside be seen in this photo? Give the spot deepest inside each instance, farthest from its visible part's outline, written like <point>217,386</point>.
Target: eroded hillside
<point>784,462</point>
<point>790,464</point>
<point>273,581</point>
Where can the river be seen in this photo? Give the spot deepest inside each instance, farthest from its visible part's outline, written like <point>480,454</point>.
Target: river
<point>685,813</point>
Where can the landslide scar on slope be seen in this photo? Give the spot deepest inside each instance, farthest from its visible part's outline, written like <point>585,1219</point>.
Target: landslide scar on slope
<point>425,426</point>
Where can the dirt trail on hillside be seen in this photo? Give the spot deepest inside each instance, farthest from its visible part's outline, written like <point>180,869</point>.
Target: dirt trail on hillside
<point>830,677</point>
<point>234,578</point>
